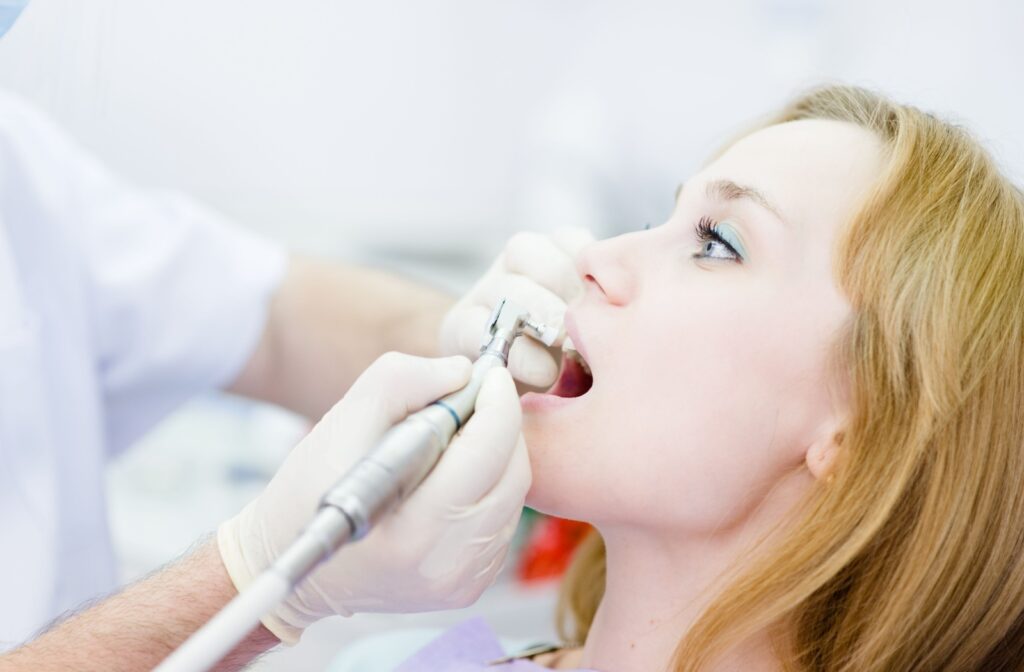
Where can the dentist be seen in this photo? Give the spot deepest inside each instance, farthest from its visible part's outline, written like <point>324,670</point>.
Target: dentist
<point>117,305</point>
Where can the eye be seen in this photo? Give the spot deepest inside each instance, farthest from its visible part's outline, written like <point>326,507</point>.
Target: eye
<point>716,242</point>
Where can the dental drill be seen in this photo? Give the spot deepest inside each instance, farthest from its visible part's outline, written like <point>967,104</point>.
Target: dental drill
<point>373,487</point>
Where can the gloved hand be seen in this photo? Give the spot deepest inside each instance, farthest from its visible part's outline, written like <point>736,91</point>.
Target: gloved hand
<point>441,548</point>
<point>537,272</point>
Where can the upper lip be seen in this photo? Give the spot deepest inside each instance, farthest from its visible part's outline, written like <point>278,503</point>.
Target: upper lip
<point>573,332</point>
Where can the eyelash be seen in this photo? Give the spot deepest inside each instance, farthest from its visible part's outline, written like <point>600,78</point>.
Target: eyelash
<point>706,233</point>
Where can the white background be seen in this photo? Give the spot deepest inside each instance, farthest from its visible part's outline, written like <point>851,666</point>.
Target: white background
<point>420,134</point>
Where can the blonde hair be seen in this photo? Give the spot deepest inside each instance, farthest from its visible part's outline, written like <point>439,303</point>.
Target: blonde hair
<point>913,557</point>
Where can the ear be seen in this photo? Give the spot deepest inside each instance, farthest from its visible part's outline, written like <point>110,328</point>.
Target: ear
<point>823,454</point>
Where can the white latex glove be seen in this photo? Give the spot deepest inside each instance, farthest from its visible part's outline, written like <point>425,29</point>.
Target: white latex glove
<point>440,549</point>
<point>536,271</point>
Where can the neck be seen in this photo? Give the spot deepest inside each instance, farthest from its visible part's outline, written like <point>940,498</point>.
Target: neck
<point>658,582</point>
<point>654,593</point>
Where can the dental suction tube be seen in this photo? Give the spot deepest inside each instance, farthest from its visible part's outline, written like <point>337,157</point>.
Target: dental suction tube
<point>380,481</point>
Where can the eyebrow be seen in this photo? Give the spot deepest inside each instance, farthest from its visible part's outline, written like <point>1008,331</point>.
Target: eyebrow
<point>727,190</point>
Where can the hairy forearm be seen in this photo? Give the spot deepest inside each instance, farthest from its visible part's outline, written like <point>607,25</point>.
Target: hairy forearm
<point>140,626</point>
<point>327,323</point>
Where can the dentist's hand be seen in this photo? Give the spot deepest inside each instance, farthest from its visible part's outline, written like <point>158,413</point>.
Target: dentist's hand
<point>537,272</point>
<point>443,546</point>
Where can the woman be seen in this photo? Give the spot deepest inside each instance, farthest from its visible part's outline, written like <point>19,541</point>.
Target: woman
<point>840,386</point>
<point>802,441</point>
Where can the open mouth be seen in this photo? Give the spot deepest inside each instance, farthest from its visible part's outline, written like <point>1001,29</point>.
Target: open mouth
<point>575,378</point>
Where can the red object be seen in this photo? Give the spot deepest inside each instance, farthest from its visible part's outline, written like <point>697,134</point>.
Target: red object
<point>549,548</point>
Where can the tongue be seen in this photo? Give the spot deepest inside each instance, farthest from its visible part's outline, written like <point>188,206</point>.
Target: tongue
<point>573,381</point>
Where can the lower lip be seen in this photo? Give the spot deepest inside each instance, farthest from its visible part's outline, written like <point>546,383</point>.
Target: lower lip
<point>536,401</point>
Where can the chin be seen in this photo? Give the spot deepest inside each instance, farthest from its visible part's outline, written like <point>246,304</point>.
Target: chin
<point>542,499</point>
<point>552,491</point>
<point>556,423</point>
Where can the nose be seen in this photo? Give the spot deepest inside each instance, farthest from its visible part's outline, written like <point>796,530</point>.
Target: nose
<point>605,269</point>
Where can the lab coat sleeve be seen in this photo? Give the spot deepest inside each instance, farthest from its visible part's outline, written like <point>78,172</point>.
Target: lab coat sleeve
<point>181,300</point>
<point>177,295</point>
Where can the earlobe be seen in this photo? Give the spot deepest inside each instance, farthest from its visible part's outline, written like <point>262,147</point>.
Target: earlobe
<point>823,454</point>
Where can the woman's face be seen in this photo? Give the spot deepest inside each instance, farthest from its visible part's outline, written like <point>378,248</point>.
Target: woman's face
<point>709,340</point>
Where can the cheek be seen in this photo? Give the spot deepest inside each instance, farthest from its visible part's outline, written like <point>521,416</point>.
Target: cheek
<point>695,416</point>
<point>686,461</point>
<point>700,434</point>
<point>561,456</point>
<point>674,431</point>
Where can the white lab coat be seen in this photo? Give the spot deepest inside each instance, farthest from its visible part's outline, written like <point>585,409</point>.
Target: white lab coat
<point>115,307</point>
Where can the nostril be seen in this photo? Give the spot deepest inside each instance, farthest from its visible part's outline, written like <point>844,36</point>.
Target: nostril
<point>590,283</point>
<point>605,260</point>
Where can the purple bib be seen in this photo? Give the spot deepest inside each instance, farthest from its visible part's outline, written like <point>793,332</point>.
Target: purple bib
<point>469,647</point>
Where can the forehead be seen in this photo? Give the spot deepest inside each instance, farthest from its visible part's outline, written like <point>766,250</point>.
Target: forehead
<point>815,171</point>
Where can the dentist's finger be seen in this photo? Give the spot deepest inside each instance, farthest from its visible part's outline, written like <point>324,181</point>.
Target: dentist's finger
<point>543,304</point>
<point>394,386</point>
<point>491,562</point>
<point>539,258</point>
<point>572,239</point>
<point>505,501</point>
<point>533,364</point>
<point>528,360</point>
<point>464,329</point>
<point>478,457</point>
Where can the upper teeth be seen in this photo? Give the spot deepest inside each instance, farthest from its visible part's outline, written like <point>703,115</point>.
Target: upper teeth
<point>570,350</point>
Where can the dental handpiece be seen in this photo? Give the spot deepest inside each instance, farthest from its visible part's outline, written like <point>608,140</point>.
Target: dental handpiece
<point>404,456</point>
<point>374,486</point>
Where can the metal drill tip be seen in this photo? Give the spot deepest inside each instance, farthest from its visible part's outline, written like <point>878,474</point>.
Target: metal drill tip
<point>542,332</point>
<point>514,320</point>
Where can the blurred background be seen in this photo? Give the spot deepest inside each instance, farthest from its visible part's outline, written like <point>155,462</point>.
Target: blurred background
<point>420,135</point>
